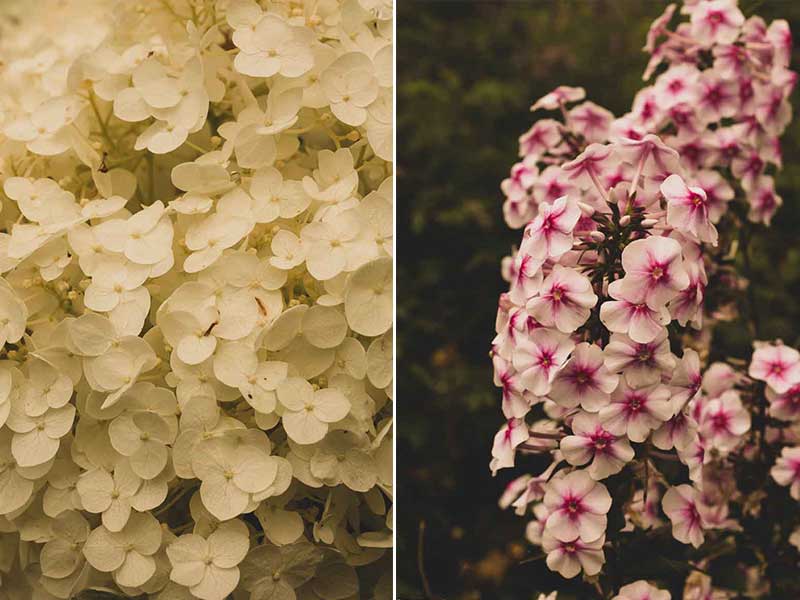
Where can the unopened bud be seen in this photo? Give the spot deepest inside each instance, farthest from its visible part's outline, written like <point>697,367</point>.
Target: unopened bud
<point>625,220</point>
<point>353,136</point>
<point>597,236</point>
<point>587,210</point>
<point>215,140</point>
<point>505,302</point>
<point>649,222</point>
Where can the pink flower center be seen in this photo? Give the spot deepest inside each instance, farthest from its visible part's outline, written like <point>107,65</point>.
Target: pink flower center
<point>657,272</point>
<point>692,515</point>
<point>767,200</point>
<point>509,431</point>
<point>776,369</point>
<point>714,95</point>
<point>720,421</point>
<point>635,402</point>
<point>602,440</point>
<point>696,198</point>
<point>792,398</point>
<point>572,506</point>
<point>715,18</point>
<point>554,189</point>
<point>644,353</point>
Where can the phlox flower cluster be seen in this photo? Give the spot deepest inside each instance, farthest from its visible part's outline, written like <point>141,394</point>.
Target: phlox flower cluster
<point>196,299</point>
<point>602,340</point>
<point>719,96</point>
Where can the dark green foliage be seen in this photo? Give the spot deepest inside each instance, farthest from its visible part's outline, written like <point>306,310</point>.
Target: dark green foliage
<point>468,71</point>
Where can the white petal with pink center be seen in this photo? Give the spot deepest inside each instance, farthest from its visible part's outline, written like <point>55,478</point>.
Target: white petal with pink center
<point>539,357</point>
<point>578,506</point>
<point>654,271</point>
<point>688,210</point>
<point>584,380</point>
<point>569,558</point>
<point>682,505</point>
<point>686,379</point>
<point>516,401</point>
<point>777,364</point>
<point>787,470</point>
<point>635,412</point>
<point>511,435</point>
<point>678,432</point>
<point>724,421</point>
<point>590,441</point>
<point>716,21</point>
<point>586,169</point>
<point>565,300</point>
<point>785,406</point>
<point>526,280</point>
<point>550,233</point>
<point>636,319</point>
<point>642,364</point>
<point>641,590</point>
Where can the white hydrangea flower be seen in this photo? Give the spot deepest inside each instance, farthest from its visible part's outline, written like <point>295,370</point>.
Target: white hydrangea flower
<point>126,554</point>
<point>195,295</point>
<point>231,474</point>
<point>208,566</point>
<point>308,413</point>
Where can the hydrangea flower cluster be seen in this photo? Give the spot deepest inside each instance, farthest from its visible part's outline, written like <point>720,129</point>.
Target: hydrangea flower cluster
<point>602,340</point>
<point>196,299</point>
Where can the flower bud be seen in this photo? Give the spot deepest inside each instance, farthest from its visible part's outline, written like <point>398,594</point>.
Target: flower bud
<point>625,220</point>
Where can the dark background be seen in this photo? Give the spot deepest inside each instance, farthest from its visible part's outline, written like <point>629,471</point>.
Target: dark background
<point>468,71</point>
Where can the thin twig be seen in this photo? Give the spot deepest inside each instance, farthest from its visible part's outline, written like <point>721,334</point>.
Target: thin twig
<point>421,562</point>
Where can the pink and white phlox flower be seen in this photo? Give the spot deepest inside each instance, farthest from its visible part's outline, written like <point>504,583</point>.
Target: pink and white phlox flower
<point>590,441</point>
<point>642,364</point>
<point>635,412</point>
<point>654,271</point>
<point>688,210</point>
<point>681,504</point>
<point>584,380</point>
<point>578,506</point>
<point>776,364</point>
<point>539,357</point>
<point>635,319</point>
<point>564,301</point>
<point>550,233</point>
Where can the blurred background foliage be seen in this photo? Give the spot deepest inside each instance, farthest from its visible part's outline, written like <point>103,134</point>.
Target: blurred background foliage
<point>467,73</point>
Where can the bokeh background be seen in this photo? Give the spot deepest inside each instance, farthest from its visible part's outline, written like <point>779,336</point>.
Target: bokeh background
<point>467,73</point>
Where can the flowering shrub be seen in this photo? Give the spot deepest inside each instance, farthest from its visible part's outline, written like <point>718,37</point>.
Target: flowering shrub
<point>196,299</point>
<point>631,230</point>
